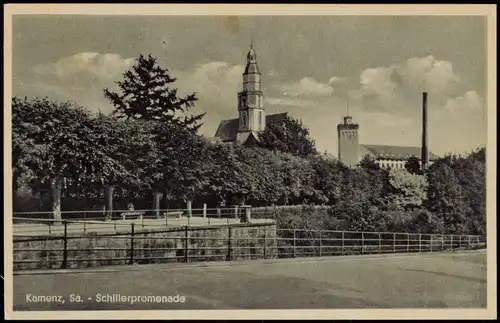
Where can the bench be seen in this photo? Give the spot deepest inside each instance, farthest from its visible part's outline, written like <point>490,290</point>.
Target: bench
<point>177,214</point>
<point>138,215</point>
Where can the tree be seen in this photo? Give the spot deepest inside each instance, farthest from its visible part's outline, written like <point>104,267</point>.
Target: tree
<point>408,190</point>
<point>328,179</point>
<point>412,165</point>
<point>146,93</point>
<point>52,141</point>
<point>457,192</point>
<point>369,163</point>
<point>130,145</point>
<point>290,136</point>
<point>445,197</point>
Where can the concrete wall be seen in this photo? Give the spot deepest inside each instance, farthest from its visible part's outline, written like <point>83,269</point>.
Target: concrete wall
<point>255,241</point>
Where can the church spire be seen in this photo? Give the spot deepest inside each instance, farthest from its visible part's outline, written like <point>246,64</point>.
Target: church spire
<point>251,67</point>
<point>250,98</point>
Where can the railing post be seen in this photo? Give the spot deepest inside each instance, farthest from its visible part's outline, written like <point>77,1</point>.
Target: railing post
<point>65,250</point>
<point>228,258</point>
<point>342,251</point>
<point>236,211</point>
<point>460,242</point>
<point>442,242</point>
<point>407,242</point>
<point>204,210</point>
<point>320,244</point>
<point>430,249</point>
<point>468,242</point>
<point>451,243</point>
<point>379,242</point>
<point>394,242</point>
<point>362,242</point>
<point>142,221</point>
<point>419,242</point>
<point>186,249</point>
<point>294,244</point>
<point>50,226</point>
<point>132,225</point>
<point>114,222</point>
<point>265,241</point>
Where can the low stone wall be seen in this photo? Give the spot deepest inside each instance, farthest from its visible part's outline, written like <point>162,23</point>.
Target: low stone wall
<point>229,242</point>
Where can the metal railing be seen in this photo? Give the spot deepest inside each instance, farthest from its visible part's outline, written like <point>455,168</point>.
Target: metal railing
<point>40,223</point>
<point>216,243</point>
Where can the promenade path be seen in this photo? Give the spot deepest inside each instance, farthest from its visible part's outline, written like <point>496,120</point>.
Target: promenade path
<point>430,280</point>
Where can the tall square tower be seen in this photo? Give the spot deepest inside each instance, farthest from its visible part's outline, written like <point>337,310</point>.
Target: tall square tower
<point>348,141</point>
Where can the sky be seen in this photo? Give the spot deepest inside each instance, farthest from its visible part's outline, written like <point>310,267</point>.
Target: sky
<point>312,67</point>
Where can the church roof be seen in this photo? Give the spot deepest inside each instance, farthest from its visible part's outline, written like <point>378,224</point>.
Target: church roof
<point>228,129</point>
<point>251,67</point>
<point>394,152</point>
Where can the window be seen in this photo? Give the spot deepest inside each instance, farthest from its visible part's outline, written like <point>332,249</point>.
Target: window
<point>243,121</point>
<point>260,120</point>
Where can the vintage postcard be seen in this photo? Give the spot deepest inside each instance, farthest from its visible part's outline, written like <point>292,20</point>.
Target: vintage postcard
<point>250,161</point>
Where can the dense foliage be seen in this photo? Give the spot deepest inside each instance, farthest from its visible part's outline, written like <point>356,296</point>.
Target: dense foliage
<point>65,152</point>
<point>290,136</point>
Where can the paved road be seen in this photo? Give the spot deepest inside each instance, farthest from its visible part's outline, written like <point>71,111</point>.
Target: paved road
<point>393,281</point>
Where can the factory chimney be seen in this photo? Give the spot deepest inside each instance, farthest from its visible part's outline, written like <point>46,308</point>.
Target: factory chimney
<point>425,149</point>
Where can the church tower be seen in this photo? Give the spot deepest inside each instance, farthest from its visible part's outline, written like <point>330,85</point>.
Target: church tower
<point>252,118</point>
<point>348,141</point>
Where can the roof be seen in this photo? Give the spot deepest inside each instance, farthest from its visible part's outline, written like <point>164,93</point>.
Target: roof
<point>228,129</point>
<point>251,68</point>
<point>394,152</point>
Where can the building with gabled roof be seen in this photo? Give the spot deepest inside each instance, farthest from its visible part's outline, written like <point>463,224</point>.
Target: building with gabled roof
<point>393,156</point>
<point>351,152</point>
<point>252,117</point>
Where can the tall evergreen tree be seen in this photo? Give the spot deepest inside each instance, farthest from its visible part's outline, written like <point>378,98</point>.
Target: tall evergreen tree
<point>146,93</point>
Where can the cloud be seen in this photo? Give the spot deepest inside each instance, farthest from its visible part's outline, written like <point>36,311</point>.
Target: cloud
<point>102,66</point>
<point>292,102</point>
<point>307,86</point>
<point>471,101</point>
<point>461,125</point>
<point>79,78</point>
<point>378,82</point>
<point>428,73</point>
<point>398,86</point>
<point>336,80</point>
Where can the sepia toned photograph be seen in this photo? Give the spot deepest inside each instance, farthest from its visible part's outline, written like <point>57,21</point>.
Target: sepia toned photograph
<point>172,161</point>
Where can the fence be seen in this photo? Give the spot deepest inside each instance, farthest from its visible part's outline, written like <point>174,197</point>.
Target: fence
<point>37,223</point>
<point>102,215</point>
<point>216,243</point>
